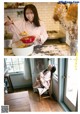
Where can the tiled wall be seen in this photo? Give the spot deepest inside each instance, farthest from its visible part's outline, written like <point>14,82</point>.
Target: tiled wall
<point>46,14</point>
<point>45,11</point>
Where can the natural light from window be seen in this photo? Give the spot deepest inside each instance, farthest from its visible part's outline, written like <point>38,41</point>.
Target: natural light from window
<point>14,64</point>
<point>72,79</point>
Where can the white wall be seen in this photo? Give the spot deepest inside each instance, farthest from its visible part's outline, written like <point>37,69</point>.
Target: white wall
<point>22,79</point>
<point>27,69</point>
<point>18,81</point>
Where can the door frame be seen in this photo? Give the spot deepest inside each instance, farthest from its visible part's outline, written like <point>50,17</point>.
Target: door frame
<point>66,100</point>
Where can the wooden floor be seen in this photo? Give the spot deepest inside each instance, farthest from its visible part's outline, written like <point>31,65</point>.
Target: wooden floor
<point>18,102</point>
<point>45,105</point>
<point>21,103</point>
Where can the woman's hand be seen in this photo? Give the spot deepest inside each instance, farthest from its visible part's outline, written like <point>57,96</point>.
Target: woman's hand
<point>38,41</point>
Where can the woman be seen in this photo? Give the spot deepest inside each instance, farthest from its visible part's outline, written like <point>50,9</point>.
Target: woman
<point>30,24</point>
<point>44,78</point>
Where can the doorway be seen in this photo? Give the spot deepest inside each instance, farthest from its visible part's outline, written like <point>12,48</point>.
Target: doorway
<point>70,84</point>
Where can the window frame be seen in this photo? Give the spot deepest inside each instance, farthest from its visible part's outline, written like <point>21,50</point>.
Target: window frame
<point>13,64</point>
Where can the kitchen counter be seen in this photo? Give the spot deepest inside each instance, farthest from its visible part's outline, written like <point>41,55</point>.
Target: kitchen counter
<point>50,48</point>
<point>56,34</point>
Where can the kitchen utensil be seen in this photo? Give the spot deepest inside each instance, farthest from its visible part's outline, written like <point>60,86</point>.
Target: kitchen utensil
<point>13,24</point>
<point>17,31</point>
<point>23,51</point>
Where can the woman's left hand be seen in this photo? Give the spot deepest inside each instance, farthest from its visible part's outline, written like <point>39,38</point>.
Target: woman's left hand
<point>38,40</point>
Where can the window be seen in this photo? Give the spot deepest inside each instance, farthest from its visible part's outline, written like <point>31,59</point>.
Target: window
<point>14,64</point>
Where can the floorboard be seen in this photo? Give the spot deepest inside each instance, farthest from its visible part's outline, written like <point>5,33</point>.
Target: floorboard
<point>28,101</point>
<point>18,102</point>
<point>45,105</point>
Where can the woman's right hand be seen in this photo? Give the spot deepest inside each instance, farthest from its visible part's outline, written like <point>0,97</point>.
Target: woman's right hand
<point>8,22</point>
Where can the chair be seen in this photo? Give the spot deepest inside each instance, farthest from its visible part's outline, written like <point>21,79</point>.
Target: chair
<point>43,90</point>
<point>45,93</point>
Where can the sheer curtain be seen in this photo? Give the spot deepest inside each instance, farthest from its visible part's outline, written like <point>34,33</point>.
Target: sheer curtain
<point>27,69</point>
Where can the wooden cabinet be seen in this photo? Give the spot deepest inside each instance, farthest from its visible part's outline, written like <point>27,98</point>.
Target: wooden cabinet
<point>8,84</point>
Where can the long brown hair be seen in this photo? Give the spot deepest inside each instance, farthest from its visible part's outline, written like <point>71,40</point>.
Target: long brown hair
<point>34,10</point>
<point>53,70</point>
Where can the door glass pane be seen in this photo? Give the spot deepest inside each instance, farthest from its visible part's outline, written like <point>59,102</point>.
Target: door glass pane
<point>71,87</point>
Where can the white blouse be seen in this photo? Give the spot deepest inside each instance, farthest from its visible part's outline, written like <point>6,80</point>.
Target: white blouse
<point>30,28</point>
<point>45,79</point>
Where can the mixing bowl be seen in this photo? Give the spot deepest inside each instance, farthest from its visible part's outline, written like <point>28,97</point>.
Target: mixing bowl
<point>28,39</point>
<point>22,51</point>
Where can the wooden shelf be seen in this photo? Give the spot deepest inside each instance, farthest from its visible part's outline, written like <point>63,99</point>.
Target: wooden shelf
<point>10,88</point>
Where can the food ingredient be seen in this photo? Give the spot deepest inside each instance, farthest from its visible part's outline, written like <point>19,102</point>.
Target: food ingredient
<point>23,33</point>
<point>22,46</point>
<point>28,39</point>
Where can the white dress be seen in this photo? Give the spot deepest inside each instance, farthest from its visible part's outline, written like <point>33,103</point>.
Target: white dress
<point>45,80</point>
<point>30,28</point>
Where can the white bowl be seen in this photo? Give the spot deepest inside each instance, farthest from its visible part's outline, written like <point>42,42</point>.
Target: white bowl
<point>23,51</point>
